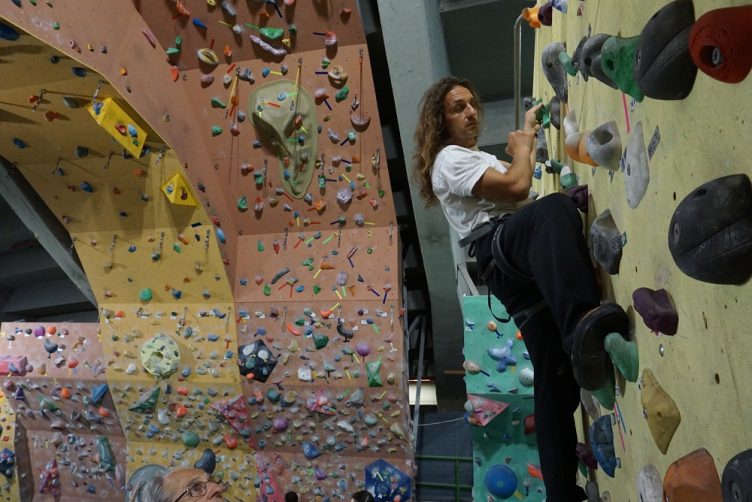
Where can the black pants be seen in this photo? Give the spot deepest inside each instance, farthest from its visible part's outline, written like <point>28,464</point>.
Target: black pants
<point>544,240</point>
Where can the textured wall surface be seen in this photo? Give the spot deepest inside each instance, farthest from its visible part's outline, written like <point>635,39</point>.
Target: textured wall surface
<point>704,366</point>
<point>248,281</point>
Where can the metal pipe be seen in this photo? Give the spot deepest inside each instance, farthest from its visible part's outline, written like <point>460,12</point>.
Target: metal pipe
<point>517,33</point>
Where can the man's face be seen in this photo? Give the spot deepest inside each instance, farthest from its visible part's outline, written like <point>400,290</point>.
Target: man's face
<point>184,479</point>
<point>461,117</point>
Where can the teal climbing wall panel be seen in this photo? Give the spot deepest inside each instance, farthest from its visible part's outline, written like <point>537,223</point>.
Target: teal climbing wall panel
<point>502,441</point>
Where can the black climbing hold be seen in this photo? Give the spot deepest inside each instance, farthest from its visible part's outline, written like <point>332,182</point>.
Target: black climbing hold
<point>207,462</point>
<point>554,110</point>
<point>663,64</point>
<point>710,235</point>
<point>737,478</point>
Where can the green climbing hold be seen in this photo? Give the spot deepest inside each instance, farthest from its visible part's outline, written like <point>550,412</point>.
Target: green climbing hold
<point>267,290</point>
<point>176,248</point>
<point>106,457</point>
<point>216,130</point>
<point>217,103</point>
<point>242,203</point>
<point>382,193</point>
<point>325,62</point>
<point>618,63</point>
<point>267,31</point>
<point>624,355</point>
<point>606,395</point>
<point>342,94</point>
<point>260,246</point>
<point>190,439</point>
<point>172,51</point>
<point>566,63</point>
<point>373,372</point>
<point>145,295</point>
<point>48,405</point>
<point>179,40</point>
<point>316,290</point>
<point>147,402</point>
<point>292,29</point>
<point>55,25</point>
<point>320,341</point>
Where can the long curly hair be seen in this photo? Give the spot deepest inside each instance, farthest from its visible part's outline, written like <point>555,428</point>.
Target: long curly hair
<point>430,133</point>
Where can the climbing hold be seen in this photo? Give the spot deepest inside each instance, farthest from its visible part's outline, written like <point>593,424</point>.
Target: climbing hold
<point>737,478</point>
<point>567,179</point>
<point>8,33</point>
<point>500,481</point>
<point>341,94</point>
<point>618,56</point>
<point>256,361</point>
<point>527,377</point>
<point>554,111</point>
<point>661,411</point>
<point>720,45</point>
<point>190,439</point>
<point>636,171</point>
<point>624,355</point>
<point>591,59</point>
<point>649,484</point>
<point>572,136</point>
<point>553,70</point>
<point>656,310</point>
<point>602,441</point>
<point>607,242</point>
<point>530,14</point>
<point>693,477</point>
<point>145,295</point>
<point>710,234</point>
<point>580,195</point>
<point>160,356</point>
<point>310,450</point>
<point>207,56</point>
<point>663,66</point>
<point>603,145</point>
<point>373,373</point>
<point>503,356</point>
<point>147,402</point>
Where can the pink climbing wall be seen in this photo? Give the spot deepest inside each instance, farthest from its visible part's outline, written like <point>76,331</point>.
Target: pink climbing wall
<point>208,284</point>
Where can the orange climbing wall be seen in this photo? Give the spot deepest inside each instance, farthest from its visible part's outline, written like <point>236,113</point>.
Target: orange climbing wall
<point>204,290</point>
<point>703,365</point>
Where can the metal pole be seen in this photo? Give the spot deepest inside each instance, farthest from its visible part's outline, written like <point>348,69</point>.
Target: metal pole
<point>517,69</point>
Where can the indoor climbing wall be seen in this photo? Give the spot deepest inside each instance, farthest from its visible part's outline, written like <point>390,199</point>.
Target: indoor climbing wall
<point>499,382</point>
<point>220,170</point>
<point>671,250</point>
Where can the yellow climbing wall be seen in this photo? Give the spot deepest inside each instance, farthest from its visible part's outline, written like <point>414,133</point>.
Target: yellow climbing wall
<point>703,367</point>
<point>315,279</point>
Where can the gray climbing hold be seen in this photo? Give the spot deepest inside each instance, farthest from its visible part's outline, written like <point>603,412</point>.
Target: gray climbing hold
<point>590,62</point>
<point>607,242</point>
<point>636,168</point>
<point>553,70</point>
<point>649,484</point>
<point>604,145</point>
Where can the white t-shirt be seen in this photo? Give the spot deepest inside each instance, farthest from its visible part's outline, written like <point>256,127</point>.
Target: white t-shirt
<point>455,172</point>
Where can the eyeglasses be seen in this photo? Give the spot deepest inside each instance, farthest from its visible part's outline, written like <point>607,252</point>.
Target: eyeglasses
<point>198,489</point>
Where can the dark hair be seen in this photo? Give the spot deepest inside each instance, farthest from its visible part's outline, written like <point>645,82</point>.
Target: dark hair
<point>431,134</point>
<point>362,496</point>
<point>291,497</point>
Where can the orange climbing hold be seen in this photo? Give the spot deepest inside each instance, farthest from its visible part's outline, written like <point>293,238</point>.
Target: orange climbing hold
<point>175,72</point>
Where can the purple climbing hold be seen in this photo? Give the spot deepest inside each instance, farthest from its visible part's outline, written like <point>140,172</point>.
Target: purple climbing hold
<point>656,310</point>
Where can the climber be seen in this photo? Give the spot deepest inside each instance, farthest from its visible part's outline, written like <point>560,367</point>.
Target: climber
<point>532,255</point>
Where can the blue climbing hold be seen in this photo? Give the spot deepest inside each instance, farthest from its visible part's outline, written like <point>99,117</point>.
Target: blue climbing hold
<point>199,23</point>
<point>602,441</point>
<point>132,131</point>
<point>78,71</point>
<point>8,33</point>
<point>19,143</point>
<point>98,392</point>
<point>221,235</point>
<point>86,187</point>
<point>500,481</point>
<point>310,450</point>
<point>81,152</point>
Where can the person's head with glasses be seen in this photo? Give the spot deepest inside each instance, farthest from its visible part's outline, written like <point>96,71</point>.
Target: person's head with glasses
<point>184,485</point>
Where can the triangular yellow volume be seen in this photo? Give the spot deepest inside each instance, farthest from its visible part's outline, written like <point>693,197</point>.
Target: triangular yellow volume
<point>178,191</point>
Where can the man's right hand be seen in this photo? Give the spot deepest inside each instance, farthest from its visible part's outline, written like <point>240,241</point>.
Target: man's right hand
<point>520,142</point>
